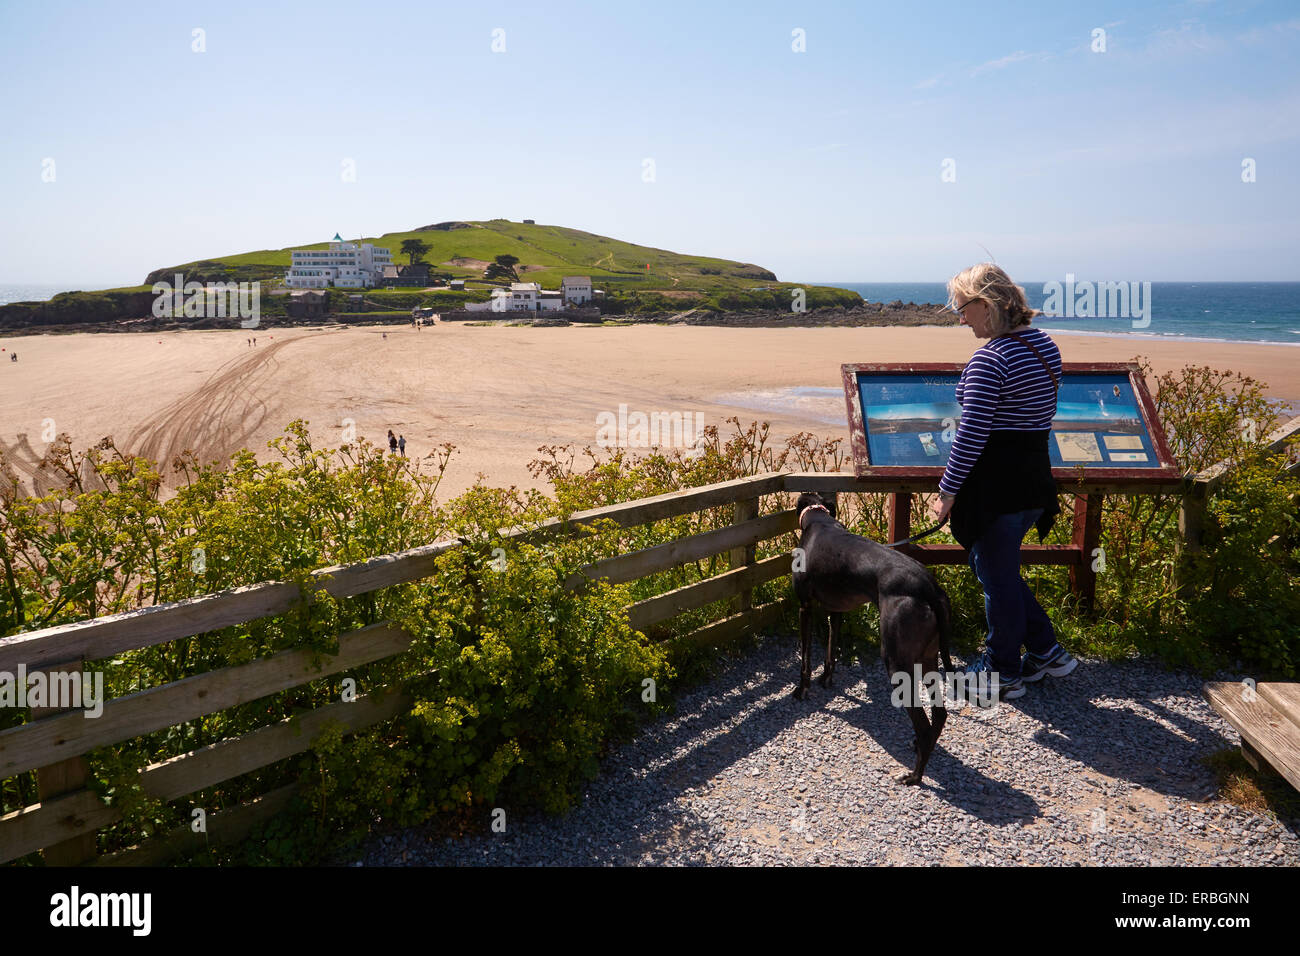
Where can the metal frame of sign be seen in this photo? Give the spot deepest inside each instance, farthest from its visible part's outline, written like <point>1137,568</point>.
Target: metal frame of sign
<point>1165,472</point>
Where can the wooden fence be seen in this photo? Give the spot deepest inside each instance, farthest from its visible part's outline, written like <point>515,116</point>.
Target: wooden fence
<point>64,822</point>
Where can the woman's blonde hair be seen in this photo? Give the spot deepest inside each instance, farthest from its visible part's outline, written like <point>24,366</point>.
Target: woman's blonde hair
<point>988,283</point>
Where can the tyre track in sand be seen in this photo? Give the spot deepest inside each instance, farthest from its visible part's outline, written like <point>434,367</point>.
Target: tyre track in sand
<point>26,464</point>
<point>216,419</point>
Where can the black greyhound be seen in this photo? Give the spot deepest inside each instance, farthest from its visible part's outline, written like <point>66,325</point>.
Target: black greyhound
<point>841,571</point>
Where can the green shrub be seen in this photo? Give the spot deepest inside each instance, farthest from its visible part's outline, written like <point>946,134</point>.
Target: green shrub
<point>532,681</point>
<point>1245,602</point>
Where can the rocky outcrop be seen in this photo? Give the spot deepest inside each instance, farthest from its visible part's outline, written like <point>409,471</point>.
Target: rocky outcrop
<point>208,270</point>
<point>76,308</point>
<point>443,227</point>
<point>748,270</point>
<point>867,315</point>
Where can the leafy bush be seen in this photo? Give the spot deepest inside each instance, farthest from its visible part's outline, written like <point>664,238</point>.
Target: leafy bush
<point>1237,599</point>
<point>532,681</point>
<point>1245,602</point>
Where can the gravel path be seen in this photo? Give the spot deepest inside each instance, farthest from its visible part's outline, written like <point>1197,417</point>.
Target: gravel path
<point>1097,768</point>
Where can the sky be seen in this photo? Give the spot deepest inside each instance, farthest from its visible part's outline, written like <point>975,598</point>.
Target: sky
<point>853,142</point>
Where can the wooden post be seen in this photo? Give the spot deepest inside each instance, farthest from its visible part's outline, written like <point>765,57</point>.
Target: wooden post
<point>745,509</point>
<point>1191,525</point>
<point>1087,537</point>
<point>900,516</point>
<point>61,778</point>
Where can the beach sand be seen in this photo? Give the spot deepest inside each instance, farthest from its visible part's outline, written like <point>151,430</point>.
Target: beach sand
<point>496,393</point>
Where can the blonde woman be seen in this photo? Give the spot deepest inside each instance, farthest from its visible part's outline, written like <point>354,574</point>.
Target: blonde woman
<point>998,482</point>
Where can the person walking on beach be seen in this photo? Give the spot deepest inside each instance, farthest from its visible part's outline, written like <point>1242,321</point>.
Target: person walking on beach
<point>392,442</point>
<point>998,482</point>
<point>401,444</point>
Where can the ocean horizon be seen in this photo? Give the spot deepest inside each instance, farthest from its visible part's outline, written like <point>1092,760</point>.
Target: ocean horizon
<point>1263,313</point>
<point>33,291</point>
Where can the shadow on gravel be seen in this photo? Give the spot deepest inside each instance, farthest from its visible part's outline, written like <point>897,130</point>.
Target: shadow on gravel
<point>680,758</point>
<point>1122,742</point>
<point>997,803</point>
<point>1128,742</point>
<point>946,775</point>
<point>697,765</point>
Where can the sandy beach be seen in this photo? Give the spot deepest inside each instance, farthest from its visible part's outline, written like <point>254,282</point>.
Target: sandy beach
<point>496,393</point>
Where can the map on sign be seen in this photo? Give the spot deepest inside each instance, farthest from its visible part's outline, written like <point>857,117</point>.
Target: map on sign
<point>912,419</point>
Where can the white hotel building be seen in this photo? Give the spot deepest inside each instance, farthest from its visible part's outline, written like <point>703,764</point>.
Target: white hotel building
<point>345,265</point>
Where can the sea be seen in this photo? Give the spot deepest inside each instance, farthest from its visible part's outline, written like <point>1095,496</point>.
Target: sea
<point>1261,312</point>
<point>14,292</point>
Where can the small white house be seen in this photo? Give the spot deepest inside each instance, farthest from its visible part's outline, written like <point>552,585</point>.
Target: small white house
<point>521,297</point>
<point>576,289</point>
<point>524,296</point>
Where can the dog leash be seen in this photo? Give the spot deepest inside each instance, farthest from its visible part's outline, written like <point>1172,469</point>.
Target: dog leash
<point>918,537</point>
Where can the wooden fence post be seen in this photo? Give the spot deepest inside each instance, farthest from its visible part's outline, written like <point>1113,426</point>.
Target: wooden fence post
<point>63,777</point>
<point>744,510</point>
<point>1191,525</point>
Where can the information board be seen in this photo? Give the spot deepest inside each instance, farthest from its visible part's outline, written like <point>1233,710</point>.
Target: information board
<point>903,419</point>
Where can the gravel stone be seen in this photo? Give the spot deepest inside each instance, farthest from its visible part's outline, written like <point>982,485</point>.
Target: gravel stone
<point>1099,768</point>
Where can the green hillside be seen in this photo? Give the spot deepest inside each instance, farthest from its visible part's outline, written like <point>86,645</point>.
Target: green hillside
<point>546,254</point>
<point>673,284</point>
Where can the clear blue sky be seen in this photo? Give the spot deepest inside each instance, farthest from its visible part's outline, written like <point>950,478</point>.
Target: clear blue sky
<point>821,165</point>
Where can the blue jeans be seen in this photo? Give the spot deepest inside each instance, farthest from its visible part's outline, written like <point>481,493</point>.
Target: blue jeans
<point>1014,616</point>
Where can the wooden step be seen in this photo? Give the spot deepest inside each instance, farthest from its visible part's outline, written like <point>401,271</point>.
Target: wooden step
<point>1267,731</point>
<point>1284,698</point>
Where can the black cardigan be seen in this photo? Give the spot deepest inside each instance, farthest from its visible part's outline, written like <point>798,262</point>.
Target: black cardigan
<point>1013,473</point>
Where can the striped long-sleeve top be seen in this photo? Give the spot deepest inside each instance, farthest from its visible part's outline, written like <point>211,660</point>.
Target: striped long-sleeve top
<point>1003,388</point>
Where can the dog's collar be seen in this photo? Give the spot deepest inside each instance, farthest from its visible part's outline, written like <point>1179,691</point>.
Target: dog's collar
<point>811,508</point>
